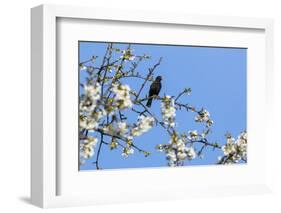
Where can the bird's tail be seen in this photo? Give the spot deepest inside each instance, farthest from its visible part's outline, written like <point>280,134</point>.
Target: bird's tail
<point>149,102</point>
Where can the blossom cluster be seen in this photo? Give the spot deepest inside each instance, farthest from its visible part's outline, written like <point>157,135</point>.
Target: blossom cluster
<point>90,113</point>
<point>193,135</point>
<point>92,93</point>
<point>87,146</point>
<point>168,111</point>
<point>177,150</point>
<point>128,55</point>
<point>127,132</point>
<point>235,150</point>
<point>144,124</point>
<point>121,128</point>
<point>204,116</point>
<point>127,151</point>
<point>91,121</point>
<point>122,95</point>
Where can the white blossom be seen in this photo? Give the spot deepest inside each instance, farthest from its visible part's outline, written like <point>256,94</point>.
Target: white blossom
<point>91,120</point>
<point>235,150</point>
<point>92,93</point>
<point>83,67</point>
<point>87,147</point>
<point>172,157</point>
<point>177,150</point>
<point>193,135</point>
<point>88,123</point>
<point>127,151</point>
<point>168,111</point>
<point>204,116</point>
<point>122,128</point>
<point>242,143</point>
<point>128,55</point>
<point>93,90</point>
<point>191,154</point>
<point>144,124</point>
<point>122,95</point>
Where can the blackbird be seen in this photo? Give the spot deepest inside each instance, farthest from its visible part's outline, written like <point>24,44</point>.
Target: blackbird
<point>154,90</point>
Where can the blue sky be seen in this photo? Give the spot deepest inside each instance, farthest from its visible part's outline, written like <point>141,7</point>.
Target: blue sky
<point>217,77</point>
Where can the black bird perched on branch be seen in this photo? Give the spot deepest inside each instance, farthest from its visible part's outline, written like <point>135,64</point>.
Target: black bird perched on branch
<point>154,90</point>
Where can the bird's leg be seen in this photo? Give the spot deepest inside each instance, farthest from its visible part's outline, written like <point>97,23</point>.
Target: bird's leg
<point>155,96</point>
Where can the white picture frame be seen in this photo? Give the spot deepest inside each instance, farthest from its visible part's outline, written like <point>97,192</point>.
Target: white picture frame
<point>46,177</point>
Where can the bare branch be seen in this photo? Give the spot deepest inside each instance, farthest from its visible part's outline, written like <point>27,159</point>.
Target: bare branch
<point>150,72</point>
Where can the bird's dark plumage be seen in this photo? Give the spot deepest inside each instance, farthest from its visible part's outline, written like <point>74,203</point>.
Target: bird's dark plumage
<point>155,88</point>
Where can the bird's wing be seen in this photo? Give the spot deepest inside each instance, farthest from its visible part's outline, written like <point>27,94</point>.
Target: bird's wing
<point>159,88</point>
<point>154,88</point>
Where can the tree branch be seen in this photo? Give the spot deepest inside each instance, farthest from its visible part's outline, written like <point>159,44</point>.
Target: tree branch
<point>150,72</point>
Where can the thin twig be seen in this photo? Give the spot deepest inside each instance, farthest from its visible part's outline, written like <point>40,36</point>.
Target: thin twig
<point>99,149</point>
<point>150,72</point>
